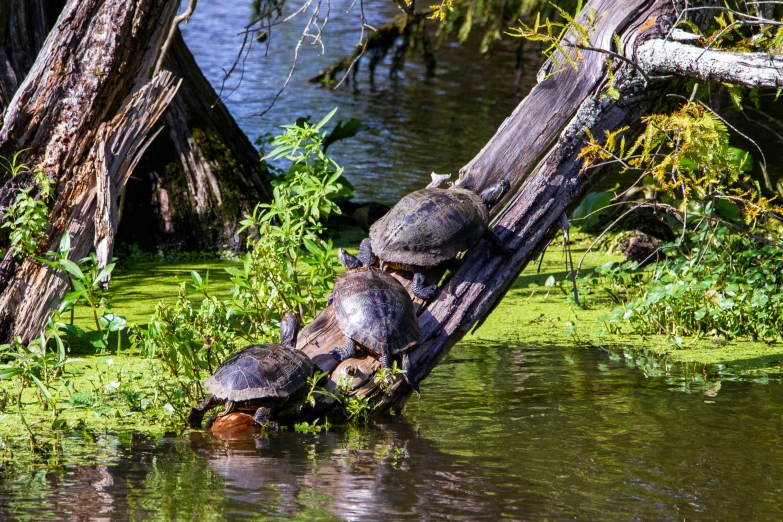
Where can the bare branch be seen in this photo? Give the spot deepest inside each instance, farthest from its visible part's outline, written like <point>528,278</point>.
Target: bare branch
<point>178,20</point>
<point>751,70</point>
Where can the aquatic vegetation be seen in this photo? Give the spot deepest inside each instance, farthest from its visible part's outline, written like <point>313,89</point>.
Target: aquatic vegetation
<point>87,281</point>
<point>728,287</point>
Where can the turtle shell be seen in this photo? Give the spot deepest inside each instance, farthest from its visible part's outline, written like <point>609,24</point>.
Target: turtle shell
<point>429,226</point>
<point>375,310</point>
<point>260,371</point>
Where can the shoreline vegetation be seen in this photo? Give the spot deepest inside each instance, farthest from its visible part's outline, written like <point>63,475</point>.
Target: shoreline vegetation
<point>115,392</point>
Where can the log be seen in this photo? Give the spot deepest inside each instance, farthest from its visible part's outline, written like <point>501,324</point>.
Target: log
<point>536,150</point>
<point>79,112</point>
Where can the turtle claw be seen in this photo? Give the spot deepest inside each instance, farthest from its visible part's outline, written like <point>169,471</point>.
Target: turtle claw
<point>419,289</point>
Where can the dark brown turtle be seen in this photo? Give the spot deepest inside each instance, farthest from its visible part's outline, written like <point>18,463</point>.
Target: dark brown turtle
<point>429,227</point>
<point>258,377</point>
<point>374,310</point>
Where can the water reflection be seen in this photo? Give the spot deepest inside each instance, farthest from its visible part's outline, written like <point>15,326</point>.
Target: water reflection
<point>499,433</point>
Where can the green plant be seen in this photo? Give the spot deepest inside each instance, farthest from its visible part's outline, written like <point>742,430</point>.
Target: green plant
<point>288,266</point>
<point>728,286</point>
<point>86,280</point>
<point>27,216</point>
<point>35,365</point>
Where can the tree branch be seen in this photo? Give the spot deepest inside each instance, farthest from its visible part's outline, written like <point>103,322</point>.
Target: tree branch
<point>749,69</point>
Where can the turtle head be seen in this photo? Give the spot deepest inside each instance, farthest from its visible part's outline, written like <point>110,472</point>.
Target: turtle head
<point>491,195</point>
<point>347,260</point>
<point>289,329</point>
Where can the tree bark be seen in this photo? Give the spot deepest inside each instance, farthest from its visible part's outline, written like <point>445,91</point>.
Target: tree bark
<point>197,179</point>
<point>200,176</point>
<point>84,110</point>
<point>536,149</point>
<point>753,70</point>
<point>24,25</point>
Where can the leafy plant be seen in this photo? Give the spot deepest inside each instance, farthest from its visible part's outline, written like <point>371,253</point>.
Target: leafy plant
<point>36,365</point>
<point>288,266</point>
<point>86,282</point>
<point>27,216</point>
<point>728,287</point>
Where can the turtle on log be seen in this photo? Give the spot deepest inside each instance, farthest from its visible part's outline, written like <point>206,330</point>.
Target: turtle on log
<point>374,310</point>
<point>258,378</point>
<point>429,227</point>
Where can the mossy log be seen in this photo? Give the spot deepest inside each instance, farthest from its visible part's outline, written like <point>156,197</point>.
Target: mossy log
<point>536,149</point>
<point>85,117</point>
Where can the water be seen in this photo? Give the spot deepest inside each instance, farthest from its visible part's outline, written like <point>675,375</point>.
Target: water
<point>416,124</point>
<point>500,433</point>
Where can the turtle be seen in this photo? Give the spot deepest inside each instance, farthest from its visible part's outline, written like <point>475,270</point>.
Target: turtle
<point>429,227</point>
<point>258,377</point>
<point>373,310</point>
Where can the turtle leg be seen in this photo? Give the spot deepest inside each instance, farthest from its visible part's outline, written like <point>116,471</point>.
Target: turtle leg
<point>262,418</point>
<point>385,360</point>
<point>406,367</point>
<point>496,242</point>
<point>230,405</point>
<point>366,255</point>
<point>346,351</point>
<point>197,414</point>
<point>420,287</point>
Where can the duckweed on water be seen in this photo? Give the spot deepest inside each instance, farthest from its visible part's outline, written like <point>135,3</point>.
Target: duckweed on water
<point>124,392</point>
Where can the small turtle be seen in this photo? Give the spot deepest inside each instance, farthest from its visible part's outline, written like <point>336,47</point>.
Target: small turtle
<point>374,310</point>
<point>429,227</point>
<point>258,377</point>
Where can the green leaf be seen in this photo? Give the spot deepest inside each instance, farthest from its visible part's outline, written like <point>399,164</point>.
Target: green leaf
<point>107,270</point>
<point>43,388</point>
<point>325,119</point>
<point>72,268</point>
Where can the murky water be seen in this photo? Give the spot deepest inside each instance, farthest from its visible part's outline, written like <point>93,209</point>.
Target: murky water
<point>416,125</point>
<point>500,433</point>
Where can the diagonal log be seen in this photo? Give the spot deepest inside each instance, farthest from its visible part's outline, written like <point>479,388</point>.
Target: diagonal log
<point>536,149</point>
<point>72,113</point>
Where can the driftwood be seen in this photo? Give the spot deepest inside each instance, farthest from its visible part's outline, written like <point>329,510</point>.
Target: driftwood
<point>81,112</point>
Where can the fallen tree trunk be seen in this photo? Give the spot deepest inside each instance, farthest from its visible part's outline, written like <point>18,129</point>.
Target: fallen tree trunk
<point>536,149</point>
<point>85,116</point>
<point>196,180</point>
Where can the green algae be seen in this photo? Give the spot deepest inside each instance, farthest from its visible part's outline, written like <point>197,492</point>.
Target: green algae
<point>115,392</point>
